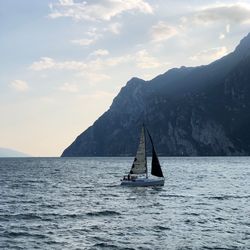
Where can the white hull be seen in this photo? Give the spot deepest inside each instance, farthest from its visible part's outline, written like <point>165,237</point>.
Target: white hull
<point>143,182</point>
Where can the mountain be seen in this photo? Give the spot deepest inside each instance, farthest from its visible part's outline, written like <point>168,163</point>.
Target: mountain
<point>6,152</point>
<point>192,111</point>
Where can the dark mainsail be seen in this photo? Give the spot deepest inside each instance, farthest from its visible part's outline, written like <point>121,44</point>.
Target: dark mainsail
<point>156,167</point>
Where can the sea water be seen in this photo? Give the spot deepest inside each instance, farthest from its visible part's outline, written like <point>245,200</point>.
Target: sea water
<point>78,203</point>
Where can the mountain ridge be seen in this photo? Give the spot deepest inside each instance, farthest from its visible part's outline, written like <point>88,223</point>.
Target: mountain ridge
<point>7,152</point>
<point>189,111</point>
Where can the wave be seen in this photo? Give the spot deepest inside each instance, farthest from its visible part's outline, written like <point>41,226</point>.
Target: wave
<point>104,245</point>
<point>40,216</point>
<point>28,216</point>
<point>103,213</point>
<point>175,196</point>
<point>51,216</point>
<point>113,185</point>
<point>228,197</point>
<point>192,214</point>
<point>220,248</point>
<point>162,228</point>
<point>23,234</point>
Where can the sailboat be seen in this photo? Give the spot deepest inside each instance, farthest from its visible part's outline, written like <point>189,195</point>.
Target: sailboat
<point>138,175</point>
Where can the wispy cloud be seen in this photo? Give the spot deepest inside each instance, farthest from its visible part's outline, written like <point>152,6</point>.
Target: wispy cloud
<point>113,61</point>
<point>47,63</point>
<point>145,61</point>
<point>95,69</point>
<point>88,66</point>
<point>99,10</point>
<point>210,54</point>
<point>69,87</point>
<point>162,31</point>
<point>100,52</point>
<point>20,85</point>
<point>43,64</point>
<point>83,41</point>
<point>115,28</point>
<point>234,13</point>
<point>92,35</point>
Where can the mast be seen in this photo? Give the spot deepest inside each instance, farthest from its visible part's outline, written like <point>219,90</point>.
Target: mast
<point>146,165</point>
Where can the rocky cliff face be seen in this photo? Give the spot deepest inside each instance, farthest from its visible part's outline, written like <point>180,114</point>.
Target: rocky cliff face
<point>189,111</point>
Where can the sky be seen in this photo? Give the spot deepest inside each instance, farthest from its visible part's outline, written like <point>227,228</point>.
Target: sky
<point>63,61</point>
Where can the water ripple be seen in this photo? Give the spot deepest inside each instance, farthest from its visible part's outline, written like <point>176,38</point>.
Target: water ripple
<point>103,213</point>
<point>77,203</point>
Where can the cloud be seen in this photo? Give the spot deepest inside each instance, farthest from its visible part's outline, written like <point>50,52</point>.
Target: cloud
<point>95,69</point>
<point>20,85</point>
<point>100,10</point>
<point>47,63</point>
<point>235,13</point>
<point>66,2</point>
<point>43,64</point>
<point>100,52</point>
<point>69,87</point>
<point>222,36</point>
<point>94,34</point>
<point>83,67</point>
<point>115,28</point>
<point>91,36</point>
<point>210,54</point>
<point>83,41</point>
<point>145,61</point>
<point>162,31</point>
<point>117,60</point>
